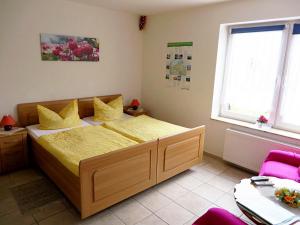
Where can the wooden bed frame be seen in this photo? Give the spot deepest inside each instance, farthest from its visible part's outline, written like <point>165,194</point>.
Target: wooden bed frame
<point>110,178</point>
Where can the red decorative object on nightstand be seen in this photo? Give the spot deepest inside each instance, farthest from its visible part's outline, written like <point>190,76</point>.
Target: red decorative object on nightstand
<point>7,122</point>
<point>135,104</point>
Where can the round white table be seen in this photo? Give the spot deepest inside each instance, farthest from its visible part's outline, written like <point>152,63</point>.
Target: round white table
<point>260,204</point>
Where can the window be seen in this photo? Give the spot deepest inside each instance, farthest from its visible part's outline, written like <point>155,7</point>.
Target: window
<point>289,112</point>
<point>261,75</point>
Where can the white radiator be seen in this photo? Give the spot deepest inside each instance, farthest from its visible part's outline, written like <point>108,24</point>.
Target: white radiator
<point>248,150</point>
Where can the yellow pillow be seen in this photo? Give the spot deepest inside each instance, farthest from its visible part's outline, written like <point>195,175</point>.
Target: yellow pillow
<point>106,112</point>
<point>67,117</point>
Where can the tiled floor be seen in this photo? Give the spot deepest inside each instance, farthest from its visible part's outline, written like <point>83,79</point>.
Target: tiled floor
<point>178,201</point>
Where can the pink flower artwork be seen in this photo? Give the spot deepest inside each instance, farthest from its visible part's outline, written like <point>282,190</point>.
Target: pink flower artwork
<point>69,48</point>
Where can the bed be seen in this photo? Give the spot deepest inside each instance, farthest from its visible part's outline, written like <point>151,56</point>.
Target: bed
<point>171,156</point>
<point>95,189</point>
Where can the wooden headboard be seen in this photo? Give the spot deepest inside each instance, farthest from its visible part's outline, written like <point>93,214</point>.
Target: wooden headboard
<point>27,112</point>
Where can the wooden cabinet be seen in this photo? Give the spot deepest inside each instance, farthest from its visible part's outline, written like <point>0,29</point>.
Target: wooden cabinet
<point>13,151</point>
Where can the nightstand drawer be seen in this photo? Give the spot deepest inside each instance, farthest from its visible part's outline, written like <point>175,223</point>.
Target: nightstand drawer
<point>12,142</point>
<point>13,151</point>
<point>13,158</point>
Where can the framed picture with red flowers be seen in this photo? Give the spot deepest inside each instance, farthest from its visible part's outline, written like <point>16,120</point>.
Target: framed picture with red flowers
<point>69,48</point>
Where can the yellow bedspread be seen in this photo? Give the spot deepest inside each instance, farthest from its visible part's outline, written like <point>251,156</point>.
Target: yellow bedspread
<point>144,128</point>
<point>72,146</point>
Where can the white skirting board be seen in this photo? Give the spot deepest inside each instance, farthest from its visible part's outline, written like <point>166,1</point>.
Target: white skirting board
<point>248,150</point>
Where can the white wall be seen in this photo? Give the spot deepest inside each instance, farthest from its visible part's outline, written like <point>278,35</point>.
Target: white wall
<point>24,77</point>
<point>200,25</point>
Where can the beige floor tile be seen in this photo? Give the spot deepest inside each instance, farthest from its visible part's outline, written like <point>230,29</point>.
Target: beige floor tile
<point>67,203</point>
<point>74,211</point>
<point>5,192</point>
<point>8,205</point>
<point>152,199</point>
<point>222,183</point>
<point>190,222</point>
<point>64,218</point>
<point>209,192</point>
<point>102,218</point>
<point>203,162</point>
<point>215,167</point>
<point>194,203</point>
<point>5,184</point>
<point>219,177</point>
<point>130,211</point>
<point>24,176</point>
<point>202,174</point>
<point>174,214</point>
<point>208,158</point>
<point>48,210</point>
<point>171,189</point>
<point>197,168</point>
<point>235,174</point>
<point>16,218</point>
<point>152,220</point>
<point>5,181</point>
<point>227,202</point>
<point>188,181</point>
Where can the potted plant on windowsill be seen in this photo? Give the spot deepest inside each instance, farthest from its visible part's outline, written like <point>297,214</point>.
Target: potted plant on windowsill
<point>262,120</point>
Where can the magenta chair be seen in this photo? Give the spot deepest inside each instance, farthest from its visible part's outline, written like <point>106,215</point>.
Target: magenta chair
<point>281,164</point>
<point>217,216</point>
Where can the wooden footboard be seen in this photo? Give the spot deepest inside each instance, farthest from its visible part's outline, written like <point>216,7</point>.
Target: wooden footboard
<point>179,152</point>
<point>108,179</point>
<point>67,182</point>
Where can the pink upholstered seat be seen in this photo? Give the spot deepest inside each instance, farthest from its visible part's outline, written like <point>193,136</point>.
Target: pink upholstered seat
<point>281,164</point>
<point>217,216</point>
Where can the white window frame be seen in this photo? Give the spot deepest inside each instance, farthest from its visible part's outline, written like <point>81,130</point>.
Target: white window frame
<point>220,82</point>
<point>277,123</point>
<point>281,73</point>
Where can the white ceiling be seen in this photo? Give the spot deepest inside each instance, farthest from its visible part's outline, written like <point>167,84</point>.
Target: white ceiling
<point>148,7</point>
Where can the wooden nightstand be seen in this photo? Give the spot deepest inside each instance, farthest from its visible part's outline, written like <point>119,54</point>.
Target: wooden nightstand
<point>13,151</point>
<point>137,112</point>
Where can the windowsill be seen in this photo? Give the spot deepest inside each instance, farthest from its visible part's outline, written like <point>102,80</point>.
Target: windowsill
<point>255,127</point>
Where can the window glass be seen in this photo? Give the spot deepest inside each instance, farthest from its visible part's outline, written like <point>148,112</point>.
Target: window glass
<point>251,71</point>
<point>289,113</point>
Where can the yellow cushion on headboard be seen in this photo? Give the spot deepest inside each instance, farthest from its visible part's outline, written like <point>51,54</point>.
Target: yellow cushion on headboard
<point>66,118</point>
<point>107,112</point>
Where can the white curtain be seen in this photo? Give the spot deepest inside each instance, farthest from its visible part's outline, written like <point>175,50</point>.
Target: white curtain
<point>251,71</point>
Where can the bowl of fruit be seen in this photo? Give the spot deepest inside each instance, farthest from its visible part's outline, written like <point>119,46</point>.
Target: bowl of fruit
<point>288,196</point>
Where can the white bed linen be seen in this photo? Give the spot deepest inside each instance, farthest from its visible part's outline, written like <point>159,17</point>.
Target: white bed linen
<point>91,121</point>
<point>35,132</point>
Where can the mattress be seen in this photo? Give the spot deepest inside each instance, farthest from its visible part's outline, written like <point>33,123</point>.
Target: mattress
<point>144,128</point>
<point>72,146</point>
<point>91,120</point>
<point>35,132</point>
